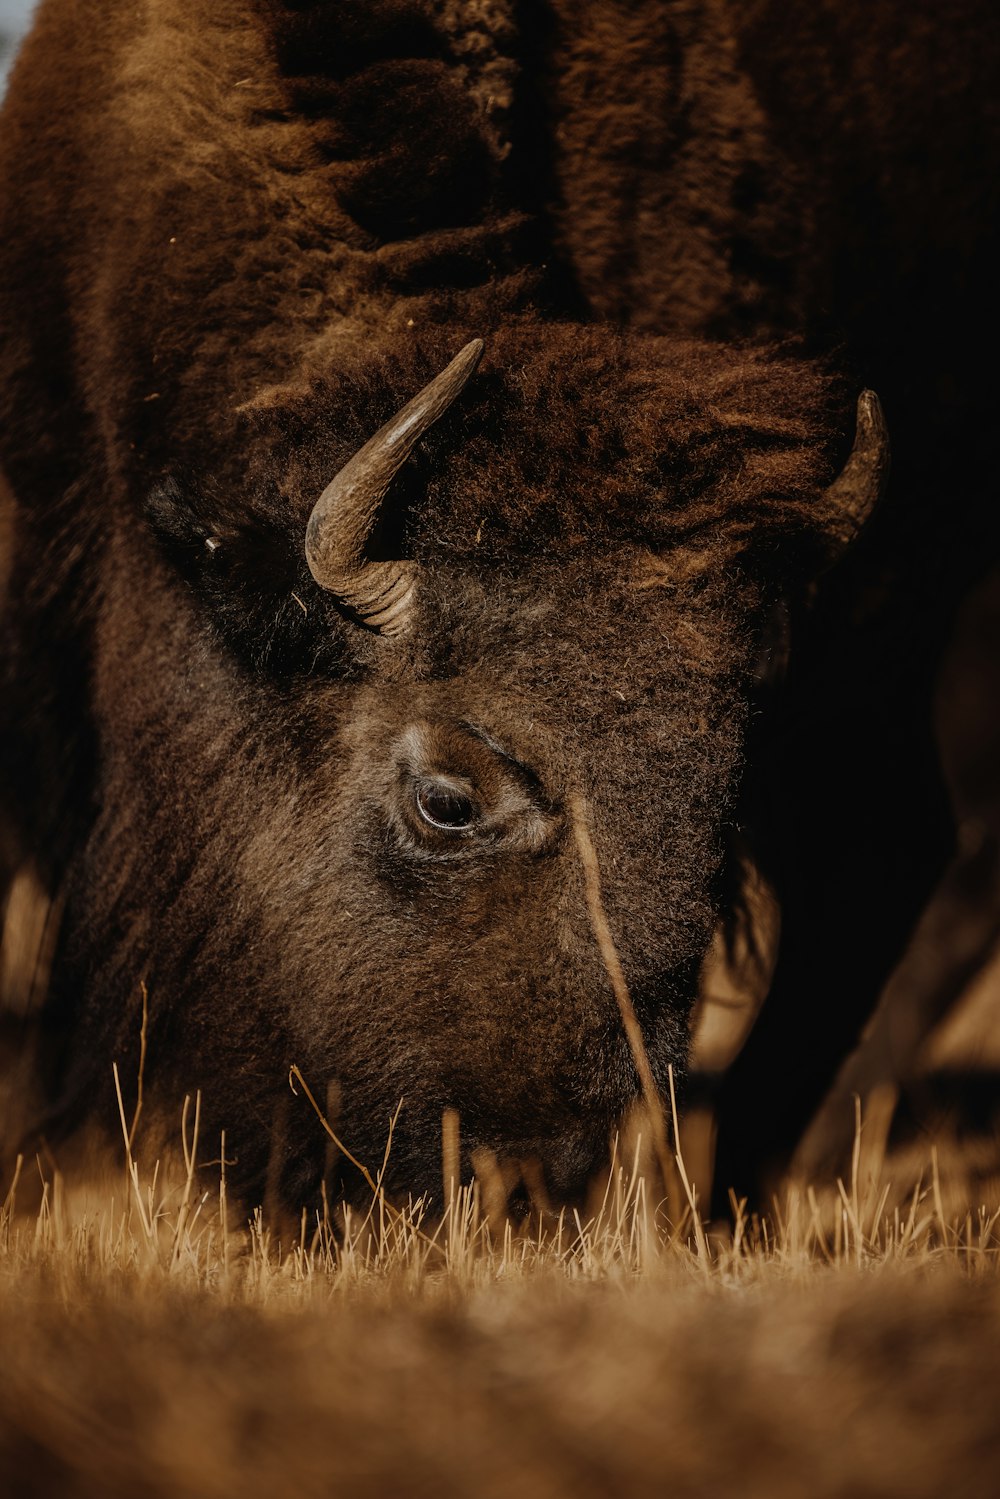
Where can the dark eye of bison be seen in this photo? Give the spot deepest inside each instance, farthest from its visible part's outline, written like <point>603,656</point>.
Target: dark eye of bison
<point>444,806</point>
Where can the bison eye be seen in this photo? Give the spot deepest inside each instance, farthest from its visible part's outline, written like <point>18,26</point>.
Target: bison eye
<point>444,806</point>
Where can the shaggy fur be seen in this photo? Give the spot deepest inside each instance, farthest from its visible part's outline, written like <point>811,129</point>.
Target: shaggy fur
<point>829,170</point>
<point>247,236</point>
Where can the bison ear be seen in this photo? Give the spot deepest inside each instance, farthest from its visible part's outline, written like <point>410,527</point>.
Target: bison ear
<point>844,509</point>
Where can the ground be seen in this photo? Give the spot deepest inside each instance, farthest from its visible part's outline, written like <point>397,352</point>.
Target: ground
<point>154,1344</point>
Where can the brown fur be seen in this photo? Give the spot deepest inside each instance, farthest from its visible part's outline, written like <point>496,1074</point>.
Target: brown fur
<point>829,170</point>
<point>244,239</point>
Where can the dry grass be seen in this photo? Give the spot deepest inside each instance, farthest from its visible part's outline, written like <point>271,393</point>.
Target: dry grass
<point>155,1344</point>
<point>156,1341</point>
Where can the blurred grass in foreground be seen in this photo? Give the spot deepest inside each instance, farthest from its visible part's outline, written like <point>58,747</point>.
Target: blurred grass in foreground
<point>151,1343</point>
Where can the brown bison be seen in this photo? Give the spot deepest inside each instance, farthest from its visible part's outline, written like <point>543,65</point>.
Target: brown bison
<point>314,629</point>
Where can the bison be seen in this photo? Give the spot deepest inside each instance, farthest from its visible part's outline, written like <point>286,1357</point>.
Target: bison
<point>401,447</point>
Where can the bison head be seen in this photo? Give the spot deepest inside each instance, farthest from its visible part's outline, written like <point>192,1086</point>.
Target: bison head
<point>339,740</point>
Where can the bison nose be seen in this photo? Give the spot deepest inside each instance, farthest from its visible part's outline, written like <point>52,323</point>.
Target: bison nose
<point>546,1176</point>
<point>563,1172</point>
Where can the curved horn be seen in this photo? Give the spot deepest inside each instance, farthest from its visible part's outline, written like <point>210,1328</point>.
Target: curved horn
<point>856,491</point>
<point>345,513</point>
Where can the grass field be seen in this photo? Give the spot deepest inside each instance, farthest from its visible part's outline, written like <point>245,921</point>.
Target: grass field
<point>158,1340</point>
<point>152,1342</point>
